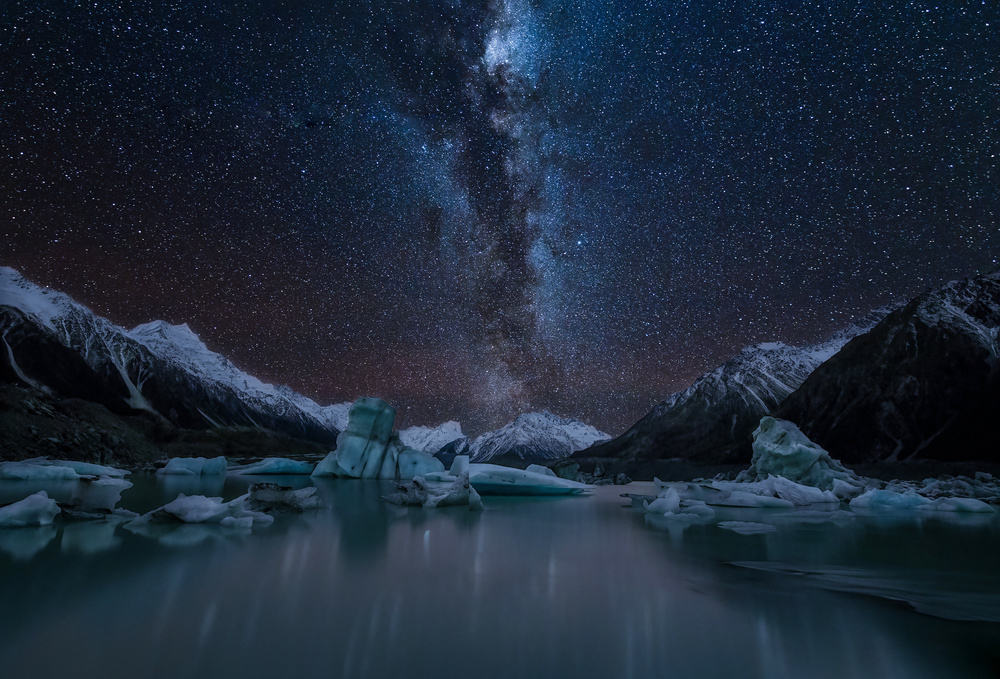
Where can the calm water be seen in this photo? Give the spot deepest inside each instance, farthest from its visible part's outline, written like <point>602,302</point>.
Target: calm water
<point>576,587</point>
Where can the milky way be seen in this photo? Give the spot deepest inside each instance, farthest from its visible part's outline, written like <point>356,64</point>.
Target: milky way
<point>474,209</point>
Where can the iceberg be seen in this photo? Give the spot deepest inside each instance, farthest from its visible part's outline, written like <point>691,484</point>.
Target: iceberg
<point>43,469</point>
<point>201,509</point>
<point>888,499</point>
<point>491,479</point>
<point>272,497</point>
<point>369,449</point>
<point>102,493</point>
<point>780,449</point>
<point>431,494</point>
<point>278,466</point>
<point>35,510</point>
<point>194,466</point>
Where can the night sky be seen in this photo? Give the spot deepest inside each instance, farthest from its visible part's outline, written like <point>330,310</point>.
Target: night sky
<point>475,209</point>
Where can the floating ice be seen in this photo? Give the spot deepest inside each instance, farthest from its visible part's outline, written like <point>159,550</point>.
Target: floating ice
<point>201,509</point>
<point>278,466</point>
<point>747,527</point>
<point>491,479</point>
<point>413,463</point>
<point>539,469</point>
<point>43,469</point>
<point>35,510</point>
<point>194,466</point>
<point>430,494</point>
<point>368,448</point>
<point>781,449</point>
<point>272,497</point>
<point>101,493</point>
<point>909,499</point>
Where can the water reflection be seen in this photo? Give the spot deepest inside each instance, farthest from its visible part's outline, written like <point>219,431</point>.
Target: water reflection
<point>536,588</point>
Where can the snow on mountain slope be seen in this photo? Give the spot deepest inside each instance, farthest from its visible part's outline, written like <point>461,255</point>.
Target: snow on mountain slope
<point>536,436</point>
<point>711,420</point>
<point>431,439</point>
<point>922,384</point>
<point>164,368</point>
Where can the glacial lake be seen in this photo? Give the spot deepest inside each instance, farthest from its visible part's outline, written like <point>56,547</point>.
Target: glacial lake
<point>531,587</point>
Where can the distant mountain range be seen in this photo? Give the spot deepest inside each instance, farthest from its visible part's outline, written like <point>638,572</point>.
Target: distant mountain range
<point>711,420</point>
<point>165,373</point>
<point>58,346</point>
<point>922,384</point>
<point>920,381</point>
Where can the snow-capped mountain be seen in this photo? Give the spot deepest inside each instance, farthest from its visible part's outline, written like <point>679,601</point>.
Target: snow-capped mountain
<point>535,436</point>
<point>924,383</point>
<point>431,439</point>
<point>711,420</point>
<point>52,342</point>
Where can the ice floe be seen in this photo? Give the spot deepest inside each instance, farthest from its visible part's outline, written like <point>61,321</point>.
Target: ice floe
<point>491,479</point>
<point>44,469</point>
<point>201,509</point>
<point>35,510</point>
<point>437,493</point>
<point>265,497</point>
<point>278,466</point>
<point>789,471</point>
<point>194,466</point>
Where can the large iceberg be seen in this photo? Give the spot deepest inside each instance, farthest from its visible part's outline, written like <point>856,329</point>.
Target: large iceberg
<point>194,466</point>
<point>35,510</point>
<point>369,449</point>
<point>780,449</point>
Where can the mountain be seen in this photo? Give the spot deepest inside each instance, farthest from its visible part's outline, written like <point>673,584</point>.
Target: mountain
<point>711,421</point>
<point>534,437</point>
<point>922,384</point>
<point>432,439</point>
<point>57,346</point>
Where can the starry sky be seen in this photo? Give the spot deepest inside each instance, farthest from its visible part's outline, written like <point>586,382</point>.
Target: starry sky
<point>479,208</point>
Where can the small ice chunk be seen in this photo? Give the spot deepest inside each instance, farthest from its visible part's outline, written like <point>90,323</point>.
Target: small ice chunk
<point>35,510</point>
<point>89,469</point>
<point>747,527</point>
<point>101,493</point>
<point>539,469</point>
<point>234,522</point>
<point>423,493</point>
<point>889,499</point>
<point>960,504</point>
<point>272,497</point>
<point>201,509</point>
<point>276,466</point>
<point>194,466</point>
